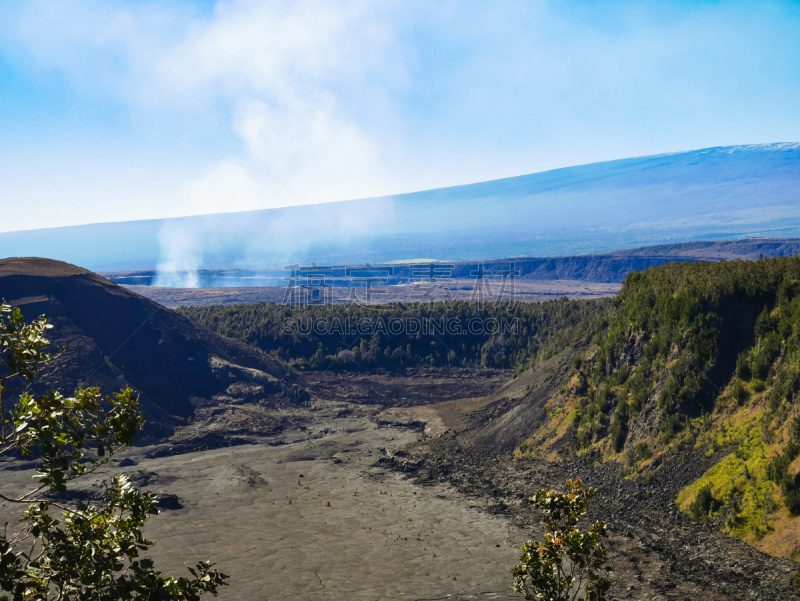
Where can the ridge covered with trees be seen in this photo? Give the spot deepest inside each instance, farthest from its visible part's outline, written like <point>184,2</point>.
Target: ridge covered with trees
<point>505,335</point>
<point>701,357</point>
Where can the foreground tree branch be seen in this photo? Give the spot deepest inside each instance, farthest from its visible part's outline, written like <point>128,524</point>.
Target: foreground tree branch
<point>541,574</point>
<point>87,551</point>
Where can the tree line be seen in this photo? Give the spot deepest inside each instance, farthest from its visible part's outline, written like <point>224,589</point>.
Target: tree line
<point>505,336</point>
<point>681,319</point>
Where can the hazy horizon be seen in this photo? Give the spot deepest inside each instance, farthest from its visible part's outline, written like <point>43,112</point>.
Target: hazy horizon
<point>124,111</point>
<point>455,186</point>
<point>714,194</point>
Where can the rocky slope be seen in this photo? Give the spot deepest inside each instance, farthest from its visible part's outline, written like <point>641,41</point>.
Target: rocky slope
<point>657,552</point>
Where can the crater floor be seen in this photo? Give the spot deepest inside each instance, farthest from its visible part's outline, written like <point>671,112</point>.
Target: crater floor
<point>315,520</point>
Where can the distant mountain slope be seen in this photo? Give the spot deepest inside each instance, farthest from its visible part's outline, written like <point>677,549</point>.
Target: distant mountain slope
<point>710,194</point>
<point>614,267</point>
<point>748,249</point>
<point>115,338</point>
<point>598,268</point>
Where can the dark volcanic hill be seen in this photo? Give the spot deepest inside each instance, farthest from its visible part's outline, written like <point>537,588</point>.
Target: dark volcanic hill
<point>116,338</point>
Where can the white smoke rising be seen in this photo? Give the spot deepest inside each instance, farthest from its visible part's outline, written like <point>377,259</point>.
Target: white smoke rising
<point>179,257</point>
<point>269,239</point>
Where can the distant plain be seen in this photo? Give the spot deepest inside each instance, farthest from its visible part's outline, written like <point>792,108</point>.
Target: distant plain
<point>529,291</point>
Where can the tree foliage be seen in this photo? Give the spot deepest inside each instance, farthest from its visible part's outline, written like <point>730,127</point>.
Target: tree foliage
<point>75,550</point>
<point>669,322</point>
<point>704,506</point>
<point>568,564</point>
<point>541,330</point>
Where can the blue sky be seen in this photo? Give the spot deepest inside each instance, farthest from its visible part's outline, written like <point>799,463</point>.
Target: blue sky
<point>271,104</point>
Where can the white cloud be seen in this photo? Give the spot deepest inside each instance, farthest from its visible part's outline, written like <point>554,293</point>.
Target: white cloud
<point>285,77</point>
<point>326,158</point>
<point>228,186</point>
<point>498,90</point>
<point>280,46</point>
<point>292,74</point>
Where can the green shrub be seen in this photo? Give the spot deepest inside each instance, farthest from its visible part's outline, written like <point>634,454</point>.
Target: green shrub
<point>643,451</point>
<point>776,468</point>
<point>671,427</point>
<point>794,430</point>
<point>619,429</point>
<point>569,561</point>
<point>743,366</point>
<point>739,392</point>
<point>684,385</point>
<point>764,357</point>
<point>792,502</point>
<point>704,505</point>
<point>584,437</point>
<point>631,458</point>
<point>622,375</point>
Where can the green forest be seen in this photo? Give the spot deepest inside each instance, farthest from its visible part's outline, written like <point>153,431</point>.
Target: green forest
<point>728,336</point>
<point>707,322</point>
<point>511,336</point>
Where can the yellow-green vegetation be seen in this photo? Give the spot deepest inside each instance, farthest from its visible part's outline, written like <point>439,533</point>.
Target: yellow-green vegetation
<point>755,488</point>
<point>745,493</point>
<point>738,481</point>
<point>712,352</point>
